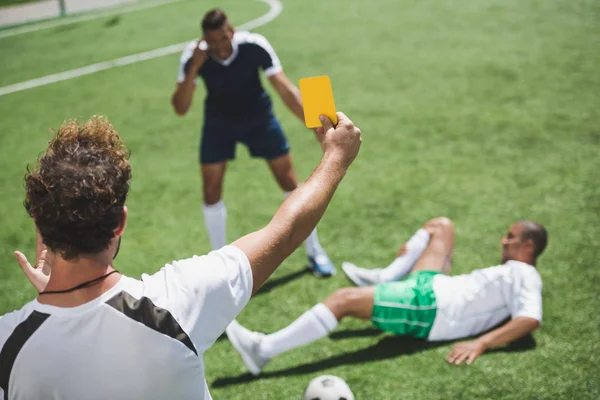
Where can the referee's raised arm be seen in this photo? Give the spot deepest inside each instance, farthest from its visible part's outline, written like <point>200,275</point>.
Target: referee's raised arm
<point>303,209</point>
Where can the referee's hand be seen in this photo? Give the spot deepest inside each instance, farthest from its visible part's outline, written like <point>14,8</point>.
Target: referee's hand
<point>38,275</point>
<point>343,140</point>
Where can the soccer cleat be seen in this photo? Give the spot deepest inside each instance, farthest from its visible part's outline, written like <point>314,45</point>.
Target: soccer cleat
<point>362,276</point>
<point>320,265</point>
<point>246,342</point>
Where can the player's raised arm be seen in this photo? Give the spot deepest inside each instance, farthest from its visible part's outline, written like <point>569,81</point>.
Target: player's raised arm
<point>303,209</point>
<point>192,60</point>
<point>289,93</point>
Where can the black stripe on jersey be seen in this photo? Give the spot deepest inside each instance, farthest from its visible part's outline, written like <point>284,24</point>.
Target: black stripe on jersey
<point>145,312</point>
<point>15,343</point>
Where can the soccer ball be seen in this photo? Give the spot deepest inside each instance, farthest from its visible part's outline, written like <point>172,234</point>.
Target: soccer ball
<point>327,387</point>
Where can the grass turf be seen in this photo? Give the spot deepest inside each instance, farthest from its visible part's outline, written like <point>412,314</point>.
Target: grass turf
<point>5,3</point>
<point>485,112</point>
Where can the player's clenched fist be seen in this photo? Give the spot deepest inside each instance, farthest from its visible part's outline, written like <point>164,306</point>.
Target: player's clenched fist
<point>344,139</point>
<point>200,54</point>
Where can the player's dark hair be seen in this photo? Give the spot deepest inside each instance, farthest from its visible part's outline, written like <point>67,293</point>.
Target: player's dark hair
<point>76,192</point>
<point>536,233</point>
<point>213,20</point>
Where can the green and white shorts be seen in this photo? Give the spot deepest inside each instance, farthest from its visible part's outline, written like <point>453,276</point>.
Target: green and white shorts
<point>406,307</point>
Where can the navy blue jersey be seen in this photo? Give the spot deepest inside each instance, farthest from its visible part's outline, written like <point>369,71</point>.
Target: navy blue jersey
<point>234,91</point>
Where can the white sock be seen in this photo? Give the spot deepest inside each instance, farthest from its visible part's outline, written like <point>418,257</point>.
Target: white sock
<point>215,218</point>
<point>403,264</point>
<point>313,247</point>
<point>310,326</point>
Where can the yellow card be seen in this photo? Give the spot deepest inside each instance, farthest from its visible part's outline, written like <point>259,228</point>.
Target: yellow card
<point>317,99</point>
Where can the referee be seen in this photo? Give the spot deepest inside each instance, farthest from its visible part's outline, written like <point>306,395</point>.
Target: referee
<point>93,333</point>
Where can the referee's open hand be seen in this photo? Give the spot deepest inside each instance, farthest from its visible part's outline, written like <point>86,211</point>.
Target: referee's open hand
<point>343,140</point>
<point>39,275</point>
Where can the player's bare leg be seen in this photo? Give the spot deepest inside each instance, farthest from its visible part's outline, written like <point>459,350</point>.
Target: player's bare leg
<point>257,348</point>
<point>215,213</point>
<point>440,251</point>
<point>351,302</point>
<point>284,173</point>
<point>409,254</point>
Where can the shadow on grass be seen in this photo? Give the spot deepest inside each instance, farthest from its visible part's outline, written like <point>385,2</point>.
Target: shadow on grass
<point>524,344</point>
<point>352,333</point>
<point>388,347</point>
<point>273,283</point>
<point>113,21</point>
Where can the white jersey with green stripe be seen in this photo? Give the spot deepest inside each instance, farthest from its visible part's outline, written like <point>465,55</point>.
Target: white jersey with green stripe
<point>473,303</point>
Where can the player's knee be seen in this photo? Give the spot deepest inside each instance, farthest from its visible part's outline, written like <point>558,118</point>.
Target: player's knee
<point>445,224</point>
<point>287,180</point>
<point>212,193</point>
<point>440,225</point>
<point>341,302</point>
<point>288,183</point>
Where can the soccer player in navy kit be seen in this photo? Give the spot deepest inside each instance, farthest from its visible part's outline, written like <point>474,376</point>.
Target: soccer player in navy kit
<point>237,109</point>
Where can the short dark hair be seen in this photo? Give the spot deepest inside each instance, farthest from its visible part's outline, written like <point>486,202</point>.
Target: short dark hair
<point>536,233</point>
<point>213,20</point>
<point>76,192</point>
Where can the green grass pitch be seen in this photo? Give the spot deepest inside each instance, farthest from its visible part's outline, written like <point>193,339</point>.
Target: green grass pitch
<point>4,3</point>
<point>483,111</point>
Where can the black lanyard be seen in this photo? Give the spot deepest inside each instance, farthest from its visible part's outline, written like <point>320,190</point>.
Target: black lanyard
<point>80,286</point>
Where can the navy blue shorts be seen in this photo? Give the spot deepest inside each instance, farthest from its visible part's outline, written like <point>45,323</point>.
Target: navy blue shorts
<point>264,139</point>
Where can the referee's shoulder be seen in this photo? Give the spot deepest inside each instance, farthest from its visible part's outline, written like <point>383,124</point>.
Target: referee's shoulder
<point>8,322</point>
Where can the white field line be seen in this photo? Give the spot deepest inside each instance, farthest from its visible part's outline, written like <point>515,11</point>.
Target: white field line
<point>274,11</point>
<point>71,20</point>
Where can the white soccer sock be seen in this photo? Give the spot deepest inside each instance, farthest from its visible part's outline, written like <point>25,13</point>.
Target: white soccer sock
<point>215,218</point>
<point>310,326</point>
<point>402,265</point>
<point>313,247</point>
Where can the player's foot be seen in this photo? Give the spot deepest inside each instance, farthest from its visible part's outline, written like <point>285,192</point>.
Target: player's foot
<point>320,265</point>
<point>362,276</point>
<point>246,342</point>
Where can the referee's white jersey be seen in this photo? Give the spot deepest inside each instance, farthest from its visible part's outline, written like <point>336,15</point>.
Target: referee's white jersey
<point>143,339</point>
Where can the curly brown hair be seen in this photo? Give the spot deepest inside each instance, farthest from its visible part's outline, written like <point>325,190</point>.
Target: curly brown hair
<point>76,192</point>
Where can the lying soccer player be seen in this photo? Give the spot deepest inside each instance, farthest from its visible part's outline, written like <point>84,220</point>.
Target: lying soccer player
<point>429,303</point>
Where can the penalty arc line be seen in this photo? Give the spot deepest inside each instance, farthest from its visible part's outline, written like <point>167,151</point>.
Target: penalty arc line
<point>275,8</point>
<point>82,17</point>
